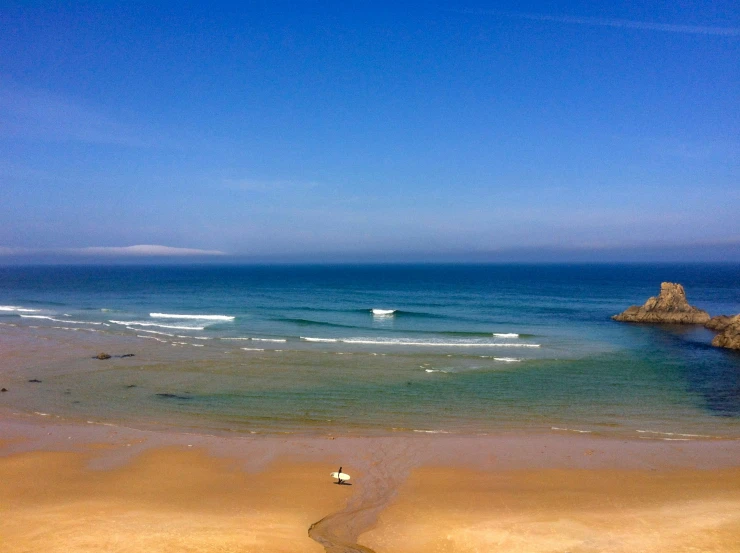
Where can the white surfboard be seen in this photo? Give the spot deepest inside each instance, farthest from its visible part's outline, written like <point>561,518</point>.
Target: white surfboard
<point>340,476</point>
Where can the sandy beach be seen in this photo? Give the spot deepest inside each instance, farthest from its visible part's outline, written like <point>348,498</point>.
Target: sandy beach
<point>73,487</point>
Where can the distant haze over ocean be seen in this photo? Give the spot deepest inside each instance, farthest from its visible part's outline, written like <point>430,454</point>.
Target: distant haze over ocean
<point>670,253</point>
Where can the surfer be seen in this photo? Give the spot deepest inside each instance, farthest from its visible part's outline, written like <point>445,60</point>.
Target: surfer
<point>339,480</point>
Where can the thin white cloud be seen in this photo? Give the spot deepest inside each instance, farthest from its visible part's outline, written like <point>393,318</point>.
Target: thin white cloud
<point>149,250</point>
<point>619,23</point>
<point>142,250</point>
<point>39,114</point>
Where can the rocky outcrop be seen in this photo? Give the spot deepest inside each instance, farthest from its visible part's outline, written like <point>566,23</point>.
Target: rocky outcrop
<point>720,322</point>
<point>729,337</point>
<point>669,307</point>
<point>102,356</point>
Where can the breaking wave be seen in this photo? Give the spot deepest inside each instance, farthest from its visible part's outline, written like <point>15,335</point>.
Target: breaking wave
<point>17,309</point>
<point>140,323</point>
<point>423,343</point>
<point>197,317</point>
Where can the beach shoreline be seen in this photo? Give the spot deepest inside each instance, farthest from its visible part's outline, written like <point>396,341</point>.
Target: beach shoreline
<point>607,438</point>
<point>451,491</point>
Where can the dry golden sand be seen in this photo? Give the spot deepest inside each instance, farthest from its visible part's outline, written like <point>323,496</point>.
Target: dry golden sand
<point>576,511</point>
<point>165,500</point>
<point>174,499</point>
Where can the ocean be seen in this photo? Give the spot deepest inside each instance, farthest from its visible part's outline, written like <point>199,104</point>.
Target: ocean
<point>369,349</point>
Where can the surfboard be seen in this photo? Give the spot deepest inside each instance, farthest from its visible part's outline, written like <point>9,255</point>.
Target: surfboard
<point>340,476</point>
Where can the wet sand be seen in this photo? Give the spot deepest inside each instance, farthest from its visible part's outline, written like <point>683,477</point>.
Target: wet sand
<point>77,488</point>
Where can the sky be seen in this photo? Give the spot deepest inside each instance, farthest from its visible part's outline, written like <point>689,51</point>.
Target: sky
<point>418,131</point>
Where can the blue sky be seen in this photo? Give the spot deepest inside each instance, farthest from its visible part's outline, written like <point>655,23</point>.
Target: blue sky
<point>415,131</point>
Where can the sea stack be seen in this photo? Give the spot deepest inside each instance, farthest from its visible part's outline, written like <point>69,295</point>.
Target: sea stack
<point>720,322</point>
<point>669,307</point>
<point>729,331</point>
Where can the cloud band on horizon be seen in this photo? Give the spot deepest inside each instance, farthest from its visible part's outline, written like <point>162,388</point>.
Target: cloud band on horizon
<point>141,250</point>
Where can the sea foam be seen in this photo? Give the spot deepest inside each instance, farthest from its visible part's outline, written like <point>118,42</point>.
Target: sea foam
<point>383,312</point>
<point>421,343</point>
<point>17,309</point>
<point>197,317</point>
<point>59,320</point>
<point>506,335</point>
<point>152,331</point>
<point>140,323</point>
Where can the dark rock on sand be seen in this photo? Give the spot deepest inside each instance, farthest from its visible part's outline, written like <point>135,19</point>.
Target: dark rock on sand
<point>729,337</point>
<point>4,390</point>
<point>126,355</point>
<point>669,307</point>
<point>102,356</point>
<point>35,380</point>
<point>173,396</point>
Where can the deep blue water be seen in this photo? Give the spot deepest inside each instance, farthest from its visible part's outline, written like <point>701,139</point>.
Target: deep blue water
<point>467,347</point>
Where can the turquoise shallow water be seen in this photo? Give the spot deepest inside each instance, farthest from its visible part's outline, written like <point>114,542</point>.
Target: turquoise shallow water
<point>448,348</point>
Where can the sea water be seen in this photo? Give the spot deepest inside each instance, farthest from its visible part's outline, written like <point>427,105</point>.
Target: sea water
<point>372,349</point>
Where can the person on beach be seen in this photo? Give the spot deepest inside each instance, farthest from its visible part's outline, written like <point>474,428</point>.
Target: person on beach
<point>339,473</point>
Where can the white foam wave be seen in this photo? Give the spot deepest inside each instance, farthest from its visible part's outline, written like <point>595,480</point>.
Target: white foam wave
<point>280,340</point>
<point>194,337</point>
<point>234,338</point>
<point>436,371</point>
<point>17,309</point>
<point>507,359</point>
<point>571,430</point>
<point>59,320</point>
<point>383,312</point>
<point>422,343</point>
<point>674,434</point>
<point>75,329</point>
<point>139,323</point>
<point>153,332</point>
<point>506,335</point>
<point>432,431</point>
<point>153,338</point>
<point>197,317</point>
<point>253,349</point>
<point>432,343</point>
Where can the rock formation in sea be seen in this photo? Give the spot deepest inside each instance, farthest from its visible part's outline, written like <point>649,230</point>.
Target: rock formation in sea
<point>720,322</point>
<point>729,336</point>
<point>670,306</point>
